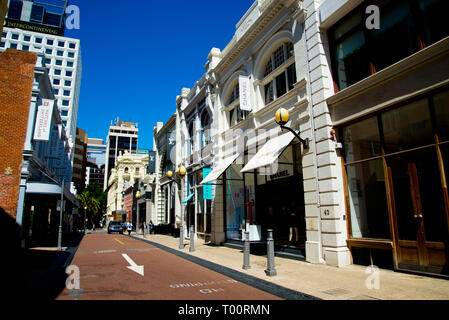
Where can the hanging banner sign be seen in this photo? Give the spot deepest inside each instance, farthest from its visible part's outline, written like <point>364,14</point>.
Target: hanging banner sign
<point>245,93</point>
<point>151,162</point>
<point>207,187</point>
<point>43,121</point>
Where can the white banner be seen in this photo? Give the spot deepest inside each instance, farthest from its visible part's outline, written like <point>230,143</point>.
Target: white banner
<point>43,120</point>
<point>245,93</point>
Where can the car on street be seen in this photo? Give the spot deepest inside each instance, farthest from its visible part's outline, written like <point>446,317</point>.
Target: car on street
<point>115,226</point>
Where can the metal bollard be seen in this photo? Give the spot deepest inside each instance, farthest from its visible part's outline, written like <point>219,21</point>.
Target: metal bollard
<point>271,271</point>
<point>246,252</point>
<point>192,236</point>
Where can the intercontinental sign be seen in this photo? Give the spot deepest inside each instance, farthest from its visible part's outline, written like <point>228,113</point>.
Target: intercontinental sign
<point>34,27</point>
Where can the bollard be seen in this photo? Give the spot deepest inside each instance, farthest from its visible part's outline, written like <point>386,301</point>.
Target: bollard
<point>192,236</point>
<point>246,252</point>
<point>271,271</point>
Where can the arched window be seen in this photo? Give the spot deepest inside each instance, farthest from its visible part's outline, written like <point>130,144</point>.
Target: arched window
<point>126,170</point>
<point>235,114</point>
<point>191,138</point>
<point>280,73</point>
<point>205,129</point>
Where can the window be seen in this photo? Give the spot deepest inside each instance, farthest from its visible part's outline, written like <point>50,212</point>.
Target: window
<point>47,61</point>
<point>58,62</point>
<point>282,83</point>
<point>66,93</point>
<point>72,45</point>
<point>191,144</point>
<point>55,91</point>
<point>26,38</point>
<point>56,81</point>
<point>2,44</point>
<point>57,72</point>
<point>68,73</point>
<point>64,123</point>
<point>69,64</point>
<point>65,103</point>
<point>60,53</point>
<point>357,52</point>
<point>50,42</point>
<point>61,44</point>
<point>64,113</point>
<point>205,129</point>
<point>15,36</point>
<point>48,51</point>
<point>4,34</point>
<point>71,54</point>
<point>67,83</point>
<point>235,114</point>
<point>38,40</point>
<point>13,45</point>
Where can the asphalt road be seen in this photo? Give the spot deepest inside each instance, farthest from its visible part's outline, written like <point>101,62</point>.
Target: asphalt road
<point>103,261</point>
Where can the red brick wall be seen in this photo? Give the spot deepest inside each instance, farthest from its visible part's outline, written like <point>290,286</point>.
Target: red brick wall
<point>16,82</point>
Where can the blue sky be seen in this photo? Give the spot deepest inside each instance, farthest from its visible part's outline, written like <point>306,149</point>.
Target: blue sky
<point>138,55</point>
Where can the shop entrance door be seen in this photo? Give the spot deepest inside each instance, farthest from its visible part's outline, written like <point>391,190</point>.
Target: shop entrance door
<point>419,211</point>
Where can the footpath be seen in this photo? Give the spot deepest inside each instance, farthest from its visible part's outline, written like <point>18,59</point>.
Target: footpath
<point>351,282</point>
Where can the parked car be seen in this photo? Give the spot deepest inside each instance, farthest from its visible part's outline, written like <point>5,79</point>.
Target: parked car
<point>115,226</point>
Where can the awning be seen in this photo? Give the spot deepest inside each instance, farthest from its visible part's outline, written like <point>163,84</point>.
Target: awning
<point>218,170</point>
<point>269,153</point>
<point>46,188</point>
<point>188,198</point>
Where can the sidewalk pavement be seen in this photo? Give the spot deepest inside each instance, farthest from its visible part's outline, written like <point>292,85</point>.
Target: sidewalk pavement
<point>351,282</point>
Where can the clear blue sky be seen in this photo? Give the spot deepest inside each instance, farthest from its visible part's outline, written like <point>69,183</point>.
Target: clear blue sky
<point>138,55</point>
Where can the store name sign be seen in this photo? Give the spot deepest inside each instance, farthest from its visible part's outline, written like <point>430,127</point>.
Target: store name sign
<point>43,120</point>
<point>282,174</point>
<point>207,187</point>
<point>244,93</point>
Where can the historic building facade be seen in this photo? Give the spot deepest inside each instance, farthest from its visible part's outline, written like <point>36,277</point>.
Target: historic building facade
<point>380,108</point>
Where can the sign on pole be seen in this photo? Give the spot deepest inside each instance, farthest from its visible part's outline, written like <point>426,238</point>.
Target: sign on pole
<point>207,187</point>
<point>245,93</point>
<point>43,120</point>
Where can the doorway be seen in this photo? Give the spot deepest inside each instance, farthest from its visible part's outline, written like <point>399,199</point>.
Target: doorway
<point>419,211</point>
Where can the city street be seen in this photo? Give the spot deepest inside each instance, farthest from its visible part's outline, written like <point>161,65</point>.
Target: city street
<point>104,260</point>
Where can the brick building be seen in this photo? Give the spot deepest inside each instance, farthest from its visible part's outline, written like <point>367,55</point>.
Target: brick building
<point>16,82</point>
<point>35,158</point>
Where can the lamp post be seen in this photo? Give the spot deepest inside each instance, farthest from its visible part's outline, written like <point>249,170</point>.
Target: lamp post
<point>281,117</point>
<point>84,220</point>
<point>138,214</point>
<point>60,217</point>
<point>180,173</point>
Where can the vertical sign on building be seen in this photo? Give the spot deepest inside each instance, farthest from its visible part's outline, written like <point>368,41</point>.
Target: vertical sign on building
<point>171,144</point>
<point>43,120</point>
<point>207,187</point>
<point>245,93</point>
<point>151,162</point>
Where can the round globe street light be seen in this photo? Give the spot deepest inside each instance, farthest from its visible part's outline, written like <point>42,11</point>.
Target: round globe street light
<point>281,117</point>
<point>138,194</point>
<point>180,173</point>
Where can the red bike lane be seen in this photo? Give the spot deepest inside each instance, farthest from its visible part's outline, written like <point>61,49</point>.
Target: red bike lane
<point>103,262</point>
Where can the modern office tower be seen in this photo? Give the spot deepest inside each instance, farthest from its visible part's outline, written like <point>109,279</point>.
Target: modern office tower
<point>96,159</point>
<point>79,162</point>
<point>122,137</point>
<point>44,33</point>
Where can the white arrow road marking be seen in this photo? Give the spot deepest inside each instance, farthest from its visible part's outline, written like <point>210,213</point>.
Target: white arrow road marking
<point>133,266</point>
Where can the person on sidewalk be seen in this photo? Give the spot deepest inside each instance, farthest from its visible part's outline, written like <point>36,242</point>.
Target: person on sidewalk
<point>129,227</point>
<point>151,227</point>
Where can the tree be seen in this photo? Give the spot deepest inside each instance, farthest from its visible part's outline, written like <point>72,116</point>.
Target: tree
<point>94,199</point>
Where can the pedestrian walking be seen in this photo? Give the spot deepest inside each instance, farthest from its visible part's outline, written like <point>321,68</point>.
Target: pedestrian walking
<point>150,227</point>
<point>129,227</point>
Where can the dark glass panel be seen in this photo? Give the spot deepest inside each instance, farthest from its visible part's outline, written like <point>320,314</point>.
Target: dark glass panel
<point>441,103</point>
<point>291,75</point>
<point>367,200</point>
<point>434,16</point>
<point>361,140</point>
<point>281,85</point>
<point>407,127</point>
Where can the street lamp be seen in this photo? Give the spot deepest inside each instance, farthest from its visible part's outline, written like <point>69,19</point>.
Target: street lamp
<point>60,218</point>
<point>180,173</point>
<point>84,220</point>
<point>281,117</point>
